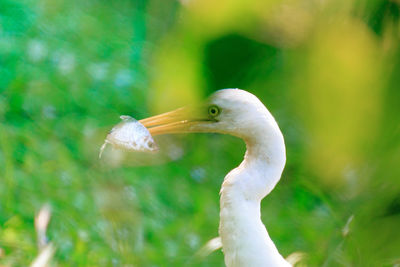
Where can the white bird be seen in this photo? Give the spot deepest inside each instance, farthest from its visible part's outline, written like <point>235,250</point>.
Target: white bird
<point>245,239</point>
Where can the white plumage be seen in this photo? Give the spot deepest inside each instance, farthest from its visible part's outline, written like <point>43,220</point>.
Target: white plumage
<point>245,240</point>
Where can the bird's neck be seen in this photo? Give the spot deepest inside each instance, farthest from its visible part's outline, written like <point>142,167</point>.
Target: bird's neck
<point>263,162</point>
<point>245,239</point>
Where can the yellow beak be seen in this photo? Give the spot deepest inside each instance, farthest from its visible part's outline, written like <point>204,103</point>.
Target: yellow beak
<point>177,121</point>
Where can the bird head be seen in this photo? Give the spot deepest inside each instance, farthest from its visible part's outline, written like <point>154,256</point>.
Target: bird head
<point>228,111</point>
<point>241,114</point>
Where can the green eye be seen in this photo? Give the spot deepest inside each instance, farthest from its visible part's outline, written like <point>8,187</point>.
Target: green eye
<point>213,111</point>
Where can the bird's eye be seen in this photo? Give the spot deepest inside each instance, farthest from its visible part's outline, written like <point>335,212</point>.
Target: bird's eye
<point>213,111</point>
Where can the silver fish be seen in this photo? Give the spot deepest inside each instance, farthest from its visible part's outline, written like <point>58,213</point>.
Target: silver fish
<point>130,135</point>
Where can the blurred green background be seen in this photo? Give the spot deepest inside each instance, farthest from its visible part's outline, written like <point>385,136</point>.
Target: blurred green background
<point>328,70</point>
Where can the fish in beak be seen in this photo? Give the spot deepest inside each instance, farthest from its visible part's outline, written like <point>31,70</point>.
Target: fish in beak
<point>133,135</point>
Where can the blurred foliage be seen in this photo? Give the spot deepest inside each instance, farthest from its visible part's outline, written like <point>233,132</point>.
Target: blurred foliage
<point>327,70</point>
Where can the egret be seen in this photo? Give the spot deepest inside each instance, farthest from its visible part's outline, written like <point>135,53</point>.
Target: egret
<point>245,240</point>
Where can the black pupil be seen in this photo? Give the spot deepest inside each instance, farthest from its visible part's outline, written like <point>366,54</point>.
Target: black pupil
<point>213,110</point>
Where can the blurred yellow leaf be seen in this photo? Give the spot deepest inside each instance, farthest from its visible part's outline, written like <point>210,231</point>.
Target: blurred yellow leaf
<point>340,96</point>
